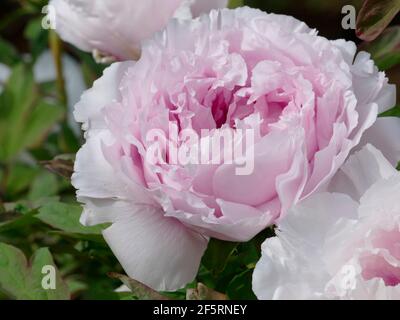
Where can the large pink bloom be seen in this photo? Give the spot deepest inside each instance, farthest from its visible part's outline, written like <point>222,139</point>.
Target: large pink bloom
<point>117,27</point>
<point>332,246</point>
<point>306,100</point>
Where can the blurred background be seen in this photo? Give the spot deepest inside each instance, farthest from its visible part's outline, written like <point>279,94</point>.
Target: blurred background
<point>41,79</point>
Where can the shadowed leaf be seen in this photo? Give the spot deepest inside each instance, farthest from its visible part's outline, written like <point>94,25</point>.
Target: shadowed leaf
<point>138,289</point>
<point>62,166</point>
<point>385,50</point>
<point>15,220</point>
<point>235,4</point>
<point>374,17</point>
<point>22,280</point>
<point>217,254</point>
<point>204,293</point>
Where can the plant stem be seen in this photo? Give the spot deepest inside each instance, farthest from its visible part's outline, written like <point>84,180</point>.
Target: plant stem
<point>56,49</point>
<point>3,185</point>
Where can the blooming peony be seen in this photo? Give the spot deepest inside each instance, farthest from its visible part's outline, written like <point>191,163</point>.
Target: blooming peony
<point>117,27</point>
<point>333,246</point>
<point>306,102</point>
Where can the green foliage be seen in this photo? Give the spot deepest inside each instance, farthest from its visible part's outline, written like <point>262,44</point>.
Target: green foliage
<point>22,280</point>
<point>37,36</point>
<point>14,220</point>
<point>8,54</point>
<point>25,118</point>
<point>226,264</point>
<point>235,3</point>
<point>65,217</point>
<point>217,255</point>
<point>375,16</point>
<point>394,112</point>
<point>385,50</point>
<point>240,286</point>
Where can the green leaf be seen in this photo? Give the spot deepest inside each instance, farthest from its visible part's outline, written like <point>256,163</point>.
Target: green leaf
<point>45,185</point>
<point>65,217</point>
<point>13,104</point>
<point>217,254</point>
<point>241,287</point>
<point>19,178</point>
<point>235,4</point>
<point>23,281</point>
<point>394,112</point>
<point>41,120</point>
<point>374,17</point>
<point>385,50</point>
<point>67,140</point>
<point>14,272</point>
<point>24,121</point>
<point>8,54</point>
<point>16,220</point>
<point>37,36</point>
<point>41,258</point>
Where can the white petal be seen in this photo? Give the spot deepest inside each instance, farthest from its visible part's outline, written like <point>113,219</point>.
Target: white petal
<point>348,49</point>
<point>123,289</point>
<point>104,91</point>
<point>200,7</point>
<point>94,177</point>
<point>361,171</point>
<point>292,266</point>
<point>370,85</point>
<point>309,221</point>
<point>281,275</point>
<point>385,135</point>
<point>4,74</point>
<point>387,98</point>
<point>155,250</point>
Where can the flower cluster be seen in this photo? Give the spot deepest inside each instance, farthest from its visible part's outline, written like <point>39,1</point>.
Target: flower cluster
<point>310,104</point>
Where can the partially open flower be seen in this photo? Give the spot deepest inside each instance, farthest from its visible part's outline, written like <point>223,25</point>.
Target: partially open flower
<point>115,29</point>
<point>332,246</point>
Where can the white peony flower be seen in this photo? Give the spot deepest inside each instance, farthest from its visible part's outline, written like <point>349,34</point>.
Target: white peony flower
<point>339,246</point>
<point>117,27</point>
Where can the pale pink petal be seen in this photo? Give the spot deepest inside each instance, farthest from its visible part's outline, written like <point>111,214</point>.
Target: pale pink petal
<point>200,7</point>
<point>104,91</point>
<point>155,250</point>
<point>384,135</point>
<point>361,171</point>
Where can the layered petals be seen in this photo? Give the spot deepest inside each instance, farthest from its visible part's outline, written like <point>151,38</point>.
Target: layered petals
<point>332,246</point>
<point>224,124</point>
<point>117,28</point>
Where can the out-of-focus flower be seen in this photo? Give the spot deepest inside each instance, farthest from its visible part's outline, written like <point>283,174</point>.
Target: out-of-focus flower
<point>305,100</point>
<point>44,71</point>
<point>117,27</point>
<point>333,246</point>
<point>4,74</point>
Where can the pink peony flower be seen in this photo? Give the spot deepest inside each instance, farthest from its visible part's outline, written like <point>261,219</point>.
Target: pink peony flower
<point>117,27</point>
<point>306,102</point>
<point>332,246</point>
